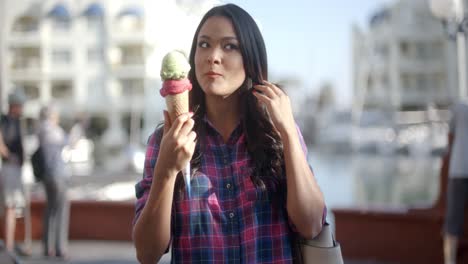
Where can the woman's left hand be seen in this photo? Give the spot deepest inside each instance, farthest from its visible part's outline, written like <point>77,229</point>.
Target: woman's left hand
<point>278,106</point>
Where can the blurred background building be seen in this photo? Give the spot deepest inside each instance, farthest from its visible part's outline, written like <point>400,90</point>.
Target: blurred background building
<point>101,59</point>
<point>404,78</point>
<point>389,144</point>
<point>404,61</point>
<point>98,58</point>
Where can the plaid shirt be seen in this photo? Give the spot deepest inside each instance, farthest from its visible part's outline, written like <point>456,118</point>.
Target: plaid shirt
<point>227,219</point>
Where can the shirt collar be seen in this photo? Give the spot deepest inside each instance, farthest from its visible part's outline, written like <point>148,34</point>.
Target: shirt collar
<point>213,132</point>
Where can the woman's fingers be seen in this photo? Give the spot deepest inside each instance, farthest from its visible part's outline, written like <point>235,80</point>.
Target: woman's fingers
<point>186,127</point>
<point>265,90</point>
<point>269,89</point>
<point>274,88</point>
<point>179,122</point>
<point>261,97</point>
<point>191,137</point>
<point>191,142</point>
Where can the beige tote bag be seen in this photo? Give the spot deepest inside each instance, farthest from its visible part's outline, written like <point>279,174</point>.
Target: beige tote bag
<point>323,249</point>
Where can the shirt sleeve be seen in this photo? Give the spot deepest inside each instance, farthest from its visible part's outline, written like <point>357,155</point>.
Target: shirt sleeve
<point>301,139</point>
<point>142,188</point>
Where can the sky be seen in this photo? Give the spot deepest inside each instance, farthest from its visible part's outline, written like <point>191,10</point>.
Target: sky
<point>311,39</point>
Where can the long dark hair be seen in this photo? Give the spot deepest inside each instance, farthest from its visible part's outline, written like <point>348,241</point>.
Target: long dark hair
<point>263,143</point>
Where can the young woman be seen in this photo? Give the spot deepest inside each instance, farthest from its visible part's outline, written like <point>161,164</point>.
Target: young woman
<point>251,187</point>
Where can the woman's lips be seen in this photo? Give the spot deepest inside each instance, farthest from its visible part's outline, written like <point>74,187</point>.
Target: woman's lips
<point>212,74</point>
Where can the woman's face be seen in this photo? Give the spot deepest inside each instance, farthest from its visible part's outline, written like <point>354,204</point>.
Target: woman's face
<point>218,61</point>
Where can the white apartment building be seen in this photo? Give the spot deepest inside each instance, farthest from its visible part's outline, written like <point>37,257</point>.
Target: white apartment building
<point>404,61</point>
<point>101,57</point>
<point>404,79</point>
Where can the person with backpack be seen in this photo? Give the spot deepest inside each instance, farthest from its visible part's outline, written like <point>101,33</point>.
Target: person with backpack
<point>52,139</point>
<point>12,153</point>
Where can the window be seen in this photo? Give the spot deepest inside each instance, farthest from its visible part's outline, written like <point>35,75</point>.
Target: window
<point>98,124</point>
<point>437,50</point>
<point>132,121</point>
<point>423,82</point>
<point>26,24</point>
<point>94,14</point>
<point>382,50</point>
<point>129,23</point>
<point>370,82</point>
<point>439,84</point>
<point>25,58</point>
<point>385,82</point>
<point>404,48</point>
<point>132,87</point>
<point>62,90</point>
<point>61,56</point>
<point>61,24</point>
<point>423,50</point>
<point>132,55</point>
<point>31,89</point>
<point>405,80</point>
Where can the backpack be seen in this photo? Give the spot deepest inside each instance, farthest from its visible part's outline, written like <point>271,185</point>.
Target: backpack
<point>38,164</point>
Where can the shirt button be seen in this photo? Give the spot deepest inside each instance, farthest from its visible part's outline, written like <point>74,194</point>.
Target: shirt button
<point>231,215</point>
<point>228,186</point>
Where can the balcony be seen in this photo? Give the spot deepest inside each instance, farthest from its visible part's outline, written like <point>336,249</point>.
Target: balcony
<point>31,89</point>
<point>128,61</point>
<point>128,29</point>
<point>25,31</point>
<point>130,93</point>
<point>25,64</point>
<point>62,93</point>
<point>135,37</point>
<point>422,65</point>
<point>422,97</point>
<point>129,71</point>
<point>30,39</point>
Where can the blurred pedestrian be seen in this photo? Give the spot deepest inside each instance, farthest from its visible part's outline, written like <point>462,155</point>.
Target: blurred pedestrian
<point>457,193</point>
<point>52,139</point>
<point>12,152</point>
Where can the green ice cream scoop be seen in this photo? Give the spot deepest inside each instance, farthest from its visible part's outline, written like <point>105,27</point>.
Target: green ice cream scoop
<point>174,66</point>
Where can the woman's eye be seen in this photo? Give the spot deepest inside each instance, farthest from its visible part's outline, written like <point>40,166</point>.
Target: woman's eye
<point>203,44</point>
<point>231,46</point>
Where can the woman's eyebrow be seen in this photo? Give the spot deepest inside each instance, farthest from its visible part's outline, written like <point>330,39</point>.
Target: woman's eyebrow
<point>223,38</point>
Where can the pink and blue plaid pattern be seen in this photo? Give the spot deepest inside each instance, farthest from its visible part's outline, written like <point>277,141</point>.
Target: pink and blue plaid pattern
<point>227,219</point>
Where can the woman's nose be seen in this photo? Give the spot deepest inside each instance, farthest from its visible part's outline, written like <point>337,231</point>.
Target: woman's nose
<point>214,57</point>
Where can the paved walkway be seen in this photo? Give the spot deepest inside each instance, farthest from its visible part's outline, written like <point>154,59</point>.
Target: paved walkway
<point>109,252</point>
<point>91,252</point>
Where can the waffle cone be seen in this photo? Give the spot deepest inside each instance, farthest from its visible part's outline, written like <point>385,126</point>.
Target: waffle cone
<point>177,104</point>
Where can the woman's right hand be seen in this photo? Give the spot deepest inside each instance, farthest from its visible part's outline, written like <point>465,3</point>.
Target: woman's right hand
<point>177,144</point>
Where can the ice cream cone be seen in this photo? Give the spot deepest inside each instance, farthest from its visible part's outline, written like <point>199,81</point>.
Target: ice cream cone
<point>175,90</point>
<point>176,86</point>
<point>177,104</point>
